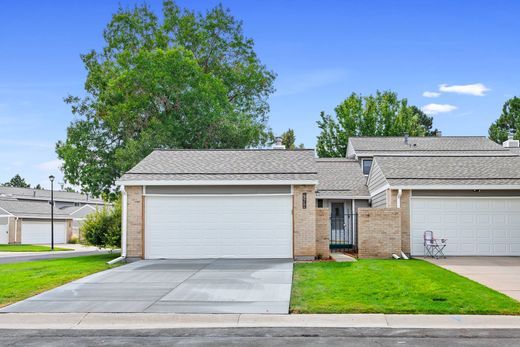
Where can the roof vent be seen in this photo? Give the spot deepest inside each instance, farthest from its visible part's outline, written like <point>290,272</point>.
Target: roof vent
<point>511,143</point>
<point>405,139</point>
<point>278,144</point>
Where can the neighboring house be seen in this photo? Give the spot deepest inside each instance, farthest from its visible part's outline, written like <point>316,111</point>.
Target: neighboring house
<point>25,215</point>
<point>278,203</point>
<point>466,189</point>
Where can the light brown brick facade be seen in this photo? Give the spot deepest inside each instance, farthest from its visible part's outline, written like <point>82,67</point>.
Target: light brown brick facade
<point>135,220</point>
<point>405,215</point>
<point>304,222</point>
<point>379,232</point>
<point>322,233</point>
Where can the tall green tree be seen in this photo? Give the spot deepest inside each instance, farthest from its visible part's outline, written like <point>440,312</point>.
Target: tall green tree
<point>508,122</point>
<point>17,181</point>
<point>289,139</point>
<point>382,114</point>
<point>190,80</point>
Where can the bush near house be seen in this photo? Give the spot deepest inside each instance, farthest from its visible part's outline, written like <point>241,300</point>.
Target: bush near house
<point>103,228</point>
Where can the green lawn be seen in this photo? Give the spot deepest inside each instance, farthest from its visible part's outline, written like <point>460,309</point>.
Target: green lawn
<point>30,248</point>
<point>391,286</point>
<point>22,280</point>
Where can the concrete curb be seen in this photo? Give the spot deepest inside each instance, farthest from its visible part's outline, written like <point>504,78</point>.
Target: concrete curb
<point>168,321</point>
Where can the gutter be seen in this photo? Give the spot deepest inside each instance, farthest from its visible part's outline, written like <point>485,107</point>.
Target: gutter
<point>399,194</point>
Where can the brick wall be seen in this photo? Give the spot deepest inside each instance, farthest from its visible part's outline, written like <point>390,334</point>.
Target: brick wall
<point>12,225</point>
<point>304,225</point>
<point>135,219</point>
<point>322,233</point>
<point>379,232</point>
<point>405,216</point>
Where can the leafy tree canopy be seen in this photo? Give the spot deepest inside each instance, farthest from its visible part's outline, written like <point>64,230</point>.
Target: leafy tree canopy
<point>17,181</point>
<point>382,114</point>
<point>189,81</point>
<point>508,122</point>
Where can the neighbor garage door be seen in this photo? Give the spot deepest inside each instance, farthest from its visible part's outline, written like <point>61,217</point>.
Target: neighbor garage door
<point>40,232</point>
<point>218,226</point>
<point>473,226</point>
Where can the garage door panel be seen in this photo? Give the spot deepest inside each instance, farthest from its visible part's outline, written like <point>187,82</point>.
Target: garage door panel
<point>473,226</point>
<point>218,226</point>
<point>40,232</point>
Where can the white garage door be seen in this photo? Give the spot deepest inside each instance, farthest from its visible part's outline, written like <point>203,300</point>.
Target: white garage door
<point>40,232</point>
<point>218,226</point>
<point>473,226</point>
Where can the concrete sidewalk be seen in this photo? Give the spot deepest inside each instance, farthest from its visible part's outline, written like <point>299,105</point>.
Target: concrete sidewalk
<point>101,321</point>
<point>78,250</point>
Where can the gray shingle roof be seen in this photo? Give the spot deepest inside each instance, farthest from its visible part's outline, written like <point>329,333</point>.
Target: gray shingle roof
<point>34,209</point>
<point>445,145</point>
<point>40,194</point>
<point>225,165</point>
<point>461,170</point>
<point>340,178</point>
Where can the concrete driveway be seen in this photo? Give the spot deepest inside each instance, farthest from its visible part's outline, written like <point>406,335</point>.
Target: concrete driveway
<point>180,286</point>
<point>499,273</point>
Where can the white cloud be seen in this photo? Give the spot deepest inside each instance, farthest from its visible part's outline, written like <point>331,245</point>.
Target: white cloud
<point>477,89</point>
<point>438,108</point>
<point>431,94</point>
<point>50,166</point>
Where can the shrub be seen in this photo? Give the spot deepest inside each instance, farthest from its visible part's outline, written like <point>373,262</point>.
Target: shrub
<point>103,227</point>
<point>73,239</point>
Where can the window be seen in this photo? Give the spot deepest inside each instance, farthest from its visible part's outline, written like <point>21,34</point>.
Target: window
<point>367,164</point>
<point>320,203</point>
<point>304,201</point>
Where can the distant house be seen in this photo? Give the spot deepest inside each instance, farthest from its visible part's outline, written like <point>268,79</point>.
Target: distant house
<point>25,215</point>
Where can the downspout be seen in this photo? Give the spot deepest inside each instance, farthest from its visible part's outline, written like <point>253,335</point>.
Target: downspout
<point>399,193</point>
<point>123,222</point>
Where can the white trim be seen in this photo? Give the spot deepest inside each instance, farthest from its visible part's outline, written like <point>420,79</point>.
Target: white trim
<point>216,182</point>
<point>333,197</point>
<point>399,194</point>
<point>379,190</point>
<point>464,197</point>
<point>123,221</point>
<point>459,187</point>
<point>192,195</point>
<point>5,215</point>
<point>9,213</point>
<point>59,218</point>
<point>79,209</point>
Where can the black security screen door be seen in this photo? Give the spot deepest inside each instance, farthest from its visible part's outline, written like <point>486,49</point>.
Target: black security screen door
<point>341,228</point>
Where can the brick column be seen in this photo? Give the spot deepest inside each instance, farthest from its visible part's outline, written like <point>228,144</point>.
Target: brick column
<point>135,220</point>
<point>304,222</point>
<point>405,216</point>
<point>322,233</point>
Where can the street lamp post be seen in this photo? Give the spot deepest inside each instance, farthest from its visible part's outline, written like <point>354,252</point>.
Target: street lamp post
<point>51,178</point>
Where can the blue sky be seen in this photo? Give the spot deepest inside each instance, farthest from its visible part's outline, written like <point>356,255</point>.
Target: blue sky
<point>321,50</point>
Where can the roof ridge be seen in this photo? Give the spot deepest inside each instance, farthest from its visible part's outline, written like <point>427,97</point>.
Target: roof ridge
<point>232,150</point>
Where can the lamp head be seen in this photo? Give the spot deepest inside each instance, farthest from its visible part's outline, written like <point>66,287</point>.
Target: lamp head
<point>51,178</point>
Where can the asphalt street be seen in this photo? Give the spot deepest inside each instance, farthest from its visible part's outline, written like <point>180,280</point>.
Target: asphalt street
<point>362,337</point>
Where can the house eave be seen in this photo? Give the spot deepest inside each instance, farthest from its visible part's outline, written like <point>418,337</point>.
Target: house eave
<point>214,182</point>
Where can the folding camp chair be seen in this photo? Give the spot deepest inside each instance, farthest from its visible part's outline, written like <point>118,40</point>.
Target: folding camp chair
<point>433,247</point>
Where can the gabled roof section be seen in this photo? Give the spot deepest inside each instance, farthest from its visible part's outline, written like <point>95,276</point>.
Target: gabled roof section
<point>341,179</point>
<point>429,146</point>
<point>32,209</point>
<point>44,195</point>
<point>224,165</point>
<point>410,171</point>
